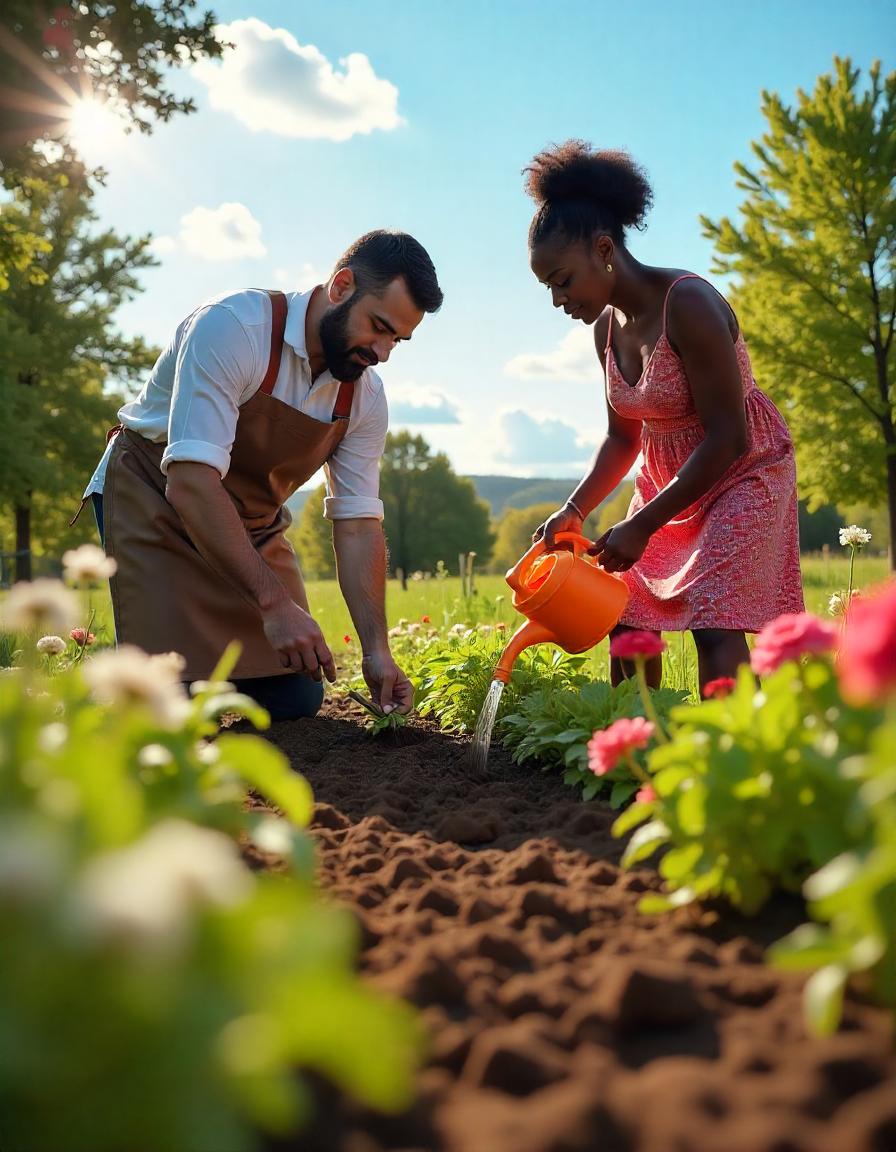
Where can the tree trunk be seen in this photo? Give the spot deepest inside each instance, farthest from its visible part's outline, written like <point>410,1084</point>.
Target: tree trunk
<point>23,541</point>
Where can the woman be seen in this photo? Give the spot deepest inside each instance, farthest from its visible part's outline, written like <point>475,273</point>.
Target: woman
<point>711,541</point>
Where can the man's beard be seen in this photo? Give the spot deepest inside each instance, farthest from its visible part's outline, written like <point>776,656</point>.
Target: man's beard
<point>338,353</point>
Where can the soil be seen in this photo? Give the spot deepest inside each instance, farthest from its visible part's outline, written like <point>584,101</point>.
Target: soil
<point>560,1018</point>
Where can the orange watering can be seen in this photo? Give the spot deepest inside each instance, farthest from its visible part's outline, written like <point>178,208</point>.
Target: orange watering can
<point>568,598</point>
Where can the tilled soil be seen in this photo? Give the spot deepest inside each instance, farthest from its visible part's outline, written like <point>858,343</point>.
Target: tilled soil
<point>562,1019</point>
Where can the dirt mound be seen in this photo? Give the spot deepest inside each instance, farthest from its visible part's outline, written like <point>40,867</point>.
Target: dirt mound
<point>561,1019</point>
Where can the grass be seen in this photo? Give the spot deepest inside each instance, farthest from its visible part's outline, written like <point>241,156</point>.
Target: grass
<point>443,602</point>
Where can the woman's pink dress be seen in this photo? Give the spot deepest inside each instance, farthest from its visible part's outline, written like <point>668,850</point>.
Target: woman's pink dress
<point>730,560</point>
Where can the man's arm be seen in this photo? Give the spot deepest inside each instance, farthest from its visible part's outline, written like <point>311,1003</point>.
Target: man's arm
<point>361,569</point>
<point>197,495</point>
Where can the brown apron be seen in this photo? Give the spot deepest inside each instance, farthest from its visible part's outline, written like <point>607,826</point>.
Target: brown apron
<point>165,596</point>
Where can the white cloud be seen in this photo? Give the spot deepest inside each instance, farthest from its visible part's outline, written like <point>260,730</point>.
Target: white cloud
<point>409,405</point>
<point>307,277</point>
<point>163,244</point>
<point>228,232</point>
<point>529,441</point>
<point>574,358</point>
<point>272,83</point>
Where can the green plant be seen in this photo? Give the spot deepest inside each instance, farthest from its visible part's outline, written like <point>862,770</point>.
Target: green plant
<point>750,790</point>
<point>854,899</point>
<point>554,726</point>
<point>143,963</point>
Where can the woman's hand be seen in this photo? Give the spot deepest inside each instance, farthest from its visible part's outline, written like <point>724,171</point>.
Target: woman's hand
<point>622,546</point>
<point>565,519</point>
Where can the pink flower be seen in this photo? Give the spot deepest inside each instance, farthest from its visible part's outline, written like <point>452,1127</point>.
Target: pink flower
<point>645,795</point>
<point>607,746</point>
<point>629,644</point>
<point>788,637</point>
<point>721,687</point>
<point>81,637</point>
<point>867,665</point>
<point>425,620</point>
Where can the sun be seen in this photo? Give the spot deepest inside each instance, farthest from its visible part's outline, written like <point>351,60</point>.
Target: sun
<point>94,129</point>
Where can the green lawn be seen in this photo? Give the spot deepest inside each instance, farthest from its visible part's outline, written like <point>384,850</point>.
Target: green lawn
<point>442,601</point>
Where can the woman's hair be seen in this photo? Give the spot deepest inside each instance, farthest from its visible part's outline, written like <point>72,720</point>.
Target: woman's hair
<point>580,192</point>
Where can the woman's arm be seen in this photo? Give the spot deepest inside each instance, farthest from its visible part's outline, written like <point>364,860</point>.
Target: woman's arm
<point>611,463</point>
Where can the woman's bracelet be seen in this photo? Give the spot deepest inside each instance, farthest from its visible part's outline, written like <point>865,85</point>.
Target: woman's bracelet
<point>578,511</point>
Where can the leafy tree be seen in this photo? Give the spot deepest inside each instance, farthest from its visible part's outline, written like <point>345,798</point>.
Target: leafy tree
<point>431,513</point>
<point>813,255</point>
<point>58,351</point>
<point>513,535</point>
<point>312,538</point>
<point>53,54</point>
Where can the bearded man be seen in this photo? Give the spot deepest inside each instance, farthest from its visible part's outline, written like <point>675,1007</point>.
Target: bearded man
<point>255,392</point>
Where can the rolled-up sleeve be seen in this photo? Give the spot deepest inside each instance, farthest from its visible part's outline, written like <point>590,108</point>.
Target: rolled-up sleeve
<point>353,471</point>
<point>215,364</point>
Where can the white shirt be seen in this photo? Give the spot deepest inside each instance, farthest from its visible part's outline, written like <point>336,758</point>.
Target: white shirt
<point>216,362</point>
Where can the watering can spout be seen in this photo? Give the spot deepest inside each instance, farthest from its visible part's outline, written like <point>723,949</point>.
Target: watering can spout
<point>525,636</point>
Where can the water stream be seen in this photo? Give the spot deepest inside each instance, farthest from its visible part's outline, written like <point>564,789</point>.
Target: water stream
<point>482,737</point>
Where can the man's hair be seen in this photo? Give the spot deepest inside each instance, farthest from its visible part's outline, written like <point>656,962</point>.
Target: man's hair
<point>379,257</point>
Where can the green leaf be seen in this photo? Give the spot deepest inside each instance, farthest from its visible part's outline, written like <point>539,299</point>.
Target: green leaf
<point>634,815</point>
<point>645,842</point>
<point>268,771</point>
<point>823,999</point>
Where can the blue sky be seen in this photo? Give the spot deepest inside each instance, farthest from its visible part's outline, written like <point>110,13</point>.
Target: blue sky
<point>446,105</point>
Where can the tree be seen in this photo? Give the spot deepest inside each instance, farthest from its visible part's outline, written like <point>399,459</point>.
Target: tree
<point>814,259</point>
<point>58,351</point>
<point>53,55</point>
<point>514,533</point>
<point>431,513</point>
<point>312,538</point>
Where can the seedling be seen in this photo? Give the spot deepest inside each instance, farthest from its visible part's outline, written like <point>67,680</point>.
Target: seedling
<point>381,721</point>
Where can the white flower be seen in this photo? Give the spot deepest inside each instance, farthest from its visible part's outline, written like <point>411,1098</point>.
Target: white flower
<point>87,565</point>
<point>44,604</point>
<point>51,645</point>
<point>457,630</point>
<point>837,604</point>
<point>146,893</point>
<point>854,536</point>
<point>170,662</point>
<point>129,676</point>
<point>273,835</point>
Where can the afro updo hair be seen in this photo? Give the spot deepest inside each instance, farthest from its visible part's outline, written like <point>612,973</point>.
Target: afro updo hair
<point>580,191</point>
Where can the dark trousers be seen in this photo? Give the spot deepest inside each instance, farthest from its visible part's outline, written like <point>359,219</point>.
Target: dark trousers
<point>289,697</point>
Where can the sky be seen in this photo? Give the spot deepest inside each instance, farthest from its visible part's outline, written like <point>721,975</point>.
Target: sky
<point>329,119</point>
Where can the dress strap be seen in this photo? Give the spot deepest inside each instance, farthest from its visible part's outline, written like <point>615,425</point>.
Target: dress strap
<point>279,310</point>
<point>687,276</point>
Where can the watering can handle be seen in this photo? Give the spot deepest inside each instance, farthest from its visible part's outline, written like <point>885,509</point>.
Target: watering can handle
<point>580,544</point>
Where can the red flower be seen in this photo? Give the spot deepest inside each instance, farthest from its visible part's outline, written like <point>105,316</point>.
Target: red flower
<point>645,795</point>
<point>346,639</point>
<point>720,688</point>
<point>627,645</point>
<point>81,636</point>
<point>606,747</point>
<point>425,620</point>
<point>787,638</point>
<point>867,665</point>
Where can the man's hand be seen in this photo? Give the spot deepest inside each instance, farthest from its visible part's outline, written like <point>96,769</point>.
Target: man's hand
<point>296,636</point>
<point>389,687</point>
<point>622,546</point>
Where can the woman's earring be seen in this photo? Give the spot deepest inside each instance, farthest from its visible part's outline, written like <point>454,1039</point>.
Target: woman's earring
<point>609,267</point>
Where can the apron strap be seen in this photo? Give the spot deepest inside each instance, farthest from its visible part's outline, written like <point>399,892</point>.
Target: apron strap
<point>342,409</point>
<point>278,327</point>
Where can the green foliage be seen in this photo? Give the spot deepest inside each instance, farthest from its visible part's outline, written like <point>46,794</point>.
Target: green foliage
<point>312,538</point>
<point>815,288</point>
<point>513,534</point>
<point>431,514</point>
<point>751,795</point>
<point>49,59</point>
<point>554,726</point>
<point>142,960</point>
<point>853,897</point>
<point>59,350</point>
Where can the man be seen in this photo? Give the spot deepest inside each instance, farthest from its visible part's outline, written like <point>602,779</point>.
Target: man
<point>255,392</point>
